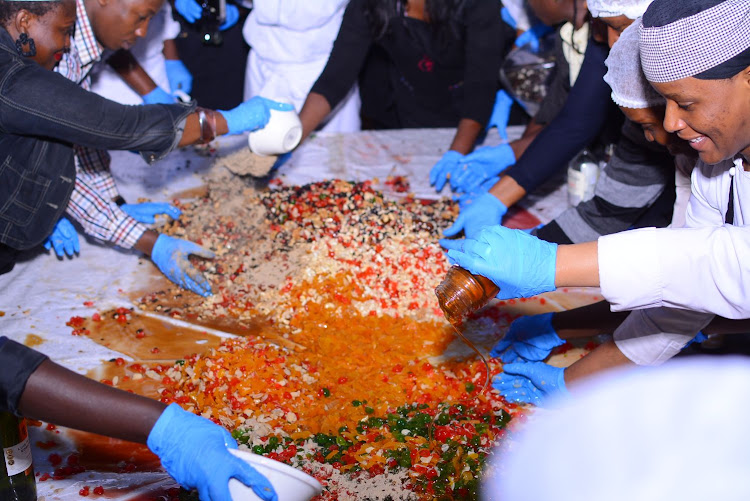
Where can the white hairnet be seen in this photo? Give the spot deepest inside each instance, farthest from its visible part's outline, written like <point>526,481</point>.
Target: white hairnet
<point>630,88</point>
<point>613,8</point>
<point>678,431</point>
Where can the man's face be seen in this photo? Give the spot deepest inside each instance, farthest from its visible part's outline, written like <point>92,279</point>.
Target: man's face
<point>118,24</point>
<point>712,115</point>
<point>52,32</point>
<point>651,121</point>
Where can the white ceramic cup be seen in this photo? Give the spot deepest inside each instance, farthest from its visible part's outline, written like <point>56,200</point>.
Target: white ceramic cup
<point>290,484</point>
<point>281,134</point>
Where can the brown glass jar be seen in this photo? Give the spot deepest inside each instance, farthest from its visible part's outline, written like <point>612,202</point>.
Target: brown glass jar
<point>461,293</point>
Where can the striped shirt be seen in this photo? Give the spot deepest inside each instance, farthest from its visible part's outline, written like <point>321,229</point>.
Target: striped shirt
<point>92,201</point>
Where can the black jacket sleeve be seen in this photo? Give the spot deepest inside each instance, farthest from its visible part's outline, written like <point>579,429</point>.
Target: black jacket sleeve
<point>579,122</point>
<point>18,363</point>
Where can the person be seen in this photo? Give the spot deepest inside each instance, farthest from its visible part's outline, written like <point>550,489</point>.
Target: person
<point>193,450</point>
<point>676,279</point>
<point>290,42</point>
<point>39,131</point>
<point>635,434</point>
<point>438,66</point>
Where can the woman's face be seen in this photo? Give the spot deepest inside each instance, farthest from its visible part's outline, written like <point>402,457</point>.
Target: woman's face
<point>51,32</point>
<point>615,26</point>
<point>651,121</point>
<point>712,115</point>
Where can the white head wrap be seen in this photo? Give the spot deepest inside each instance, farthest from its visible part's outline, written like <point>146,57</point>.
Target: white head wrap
<point>650,434</point>
<point>625,76</point>
<point>695,43</point>
<point>631,9</point>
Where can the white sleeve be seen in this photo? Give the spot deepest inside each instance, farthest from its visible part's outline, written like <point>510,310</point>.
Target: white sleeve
<point>296,15</point>
<point>702,269</point>
<point>654,335</point>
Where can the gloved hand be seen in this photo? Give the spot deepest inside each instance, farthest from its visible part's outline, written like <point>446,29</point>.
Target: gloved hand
<point>464,199</point>
<point>529,339</point>
<point>448,164</point>
<point>252,114</point>
<point>170,255</point>
<point>486,210</point>
<point>699,338</point>
<point>64,239</point>
<point>520,264</point>
<point>145,212</point>
<point>189,9</point>
<point>532,36</point>
<point>179,76</point>
<point>195,452</point>
<point>232,16</point>
<point>530,382</point>
<point>500,114</point>
<point>158,96</point>
<point>482,164</point>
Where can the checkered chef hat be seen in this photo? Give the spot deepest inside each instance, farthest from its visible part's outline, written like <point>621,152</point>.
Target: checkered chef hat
<point>702,38</point>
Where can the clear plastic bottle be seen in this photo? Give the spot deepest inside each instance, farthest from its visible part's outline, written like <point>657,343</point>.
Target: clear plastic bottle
<point>17,482</point>
<point>583,172</point>
<point>461,293</point>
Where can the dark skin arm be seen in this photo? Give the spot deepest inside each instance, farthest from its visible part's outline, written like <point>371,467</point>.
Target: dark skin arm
<point>58,395</point>
<point>466,136</point>
<point>170,50</point>
<point>131,72</point>
<point>315,109</point>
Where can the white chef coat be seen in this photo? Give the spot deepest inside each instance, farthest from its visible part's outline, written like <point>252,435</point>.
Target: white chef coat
<point>290,42</point>
<point>677,279</point>
<point>148,52</point>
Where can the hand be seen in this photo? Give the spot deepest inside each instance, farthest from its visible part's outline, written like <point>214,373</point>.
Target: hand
<point>189,9</point>
<point>195,452</point>
<point>158,96</point>
<point>500,114</point>
<point>179,76</point>
<point>64,239</point>
<point>529,339</point>
<point>532,36</point>
<point>699,338</point>
<point>170,255</point>
<point>520,264</point>
<point>449,163</point>
<point>145,212</point>
<point>482,164</point>
<point>232,16</point>
<point>530,382</point>
<point>252,114</point>
<point>486,210</point>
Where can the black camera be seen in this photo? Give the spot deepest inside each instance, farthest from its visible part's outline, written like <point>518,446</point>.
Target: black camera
<point>214,15</point>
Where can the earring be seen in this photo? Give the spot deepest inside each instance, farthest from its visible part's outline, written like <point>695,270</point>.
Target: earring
<point>24,39</point>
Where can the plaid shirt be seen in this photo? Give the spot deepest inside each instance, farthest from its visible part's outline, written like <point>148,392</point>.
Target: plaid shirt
<point>91,203</point>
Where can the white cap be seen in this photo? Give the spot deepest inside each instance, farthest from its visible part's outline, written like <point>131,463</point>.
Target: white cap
<point>630,88</point>
<point>678,431</point>
<point>631,9</point>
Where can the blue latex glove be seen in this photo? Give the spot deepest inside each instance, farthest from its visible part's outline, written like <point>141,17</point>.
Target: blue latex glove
<point>464,199</point>
<point>232,16</point>
<point>170,255</point>
<point>529,339</point>
<point>482,164</point>
<point>505,15</point>
<point>500,114</point>
<point>530,382</point>
<point>520,264</point>
<point>699,338</point>
<point>252,114</point>
<point>448,164</point>
<point>179,76</point>
<point>189,9</point>
<point>64,239</point>
<point>486,210</point>
<point>532,36</point>
<point>158,96</point>
<point>195,452</point>
<point>145,212</point>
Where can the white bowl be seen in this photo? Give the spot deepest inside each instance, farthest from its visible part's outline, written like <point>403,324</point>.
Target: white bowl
<point>290,484</point>
<point>281,134</point>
